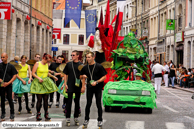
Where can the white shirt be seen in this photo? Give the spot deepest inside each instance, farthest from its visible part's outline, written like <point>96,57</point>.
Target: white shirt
<point>167,68</point>
<point>170,64</point>
<point>157,68</point>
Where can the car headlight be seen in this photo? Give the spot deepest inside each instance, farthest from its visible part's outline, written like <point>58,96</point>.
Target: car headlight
<point>112,91</point>
<point>145,92</point>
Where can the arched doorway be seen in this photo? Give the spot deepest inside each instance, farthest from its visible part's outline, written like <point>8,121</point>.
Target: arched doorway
<point>9,40</point>
<point>179,50</point>
<point>18,34</point>
<point>43,42</point>
<point>180,21</point>
<point>33,42</point>
<point>38,40</point>
<point>189,55</point>
<point>168,53</point>
<point>26,46</point>
<point>47,42</point>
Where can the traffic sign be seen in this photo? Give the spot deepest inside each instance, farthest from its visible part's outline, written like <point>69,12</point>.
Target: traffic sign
<point>54,48</point>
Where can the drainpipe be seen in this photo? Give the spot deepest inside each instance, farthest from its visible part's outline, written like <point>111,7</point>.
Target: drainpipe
<point>136,14</point>
<point>142,2</point>
<point>174,32</point>
<point>158,24</point>
<point>30,28</point>
<point>16,36</point>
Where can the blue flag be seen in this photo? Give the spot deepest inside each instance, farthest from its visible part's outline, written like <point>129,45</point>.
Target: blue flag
<point>90,16</point>
<point>73,11</point>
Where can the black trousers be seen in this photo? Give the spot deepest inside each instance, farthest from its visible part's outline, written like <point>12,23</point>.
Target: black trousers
<point>89,95</point>
<point>26,101</point>
<point>69,104</point>
<point>64,101</point>
<point>33,98</point>
<point>52,94</point>
<point>8,90</point>
<point>57,94</point>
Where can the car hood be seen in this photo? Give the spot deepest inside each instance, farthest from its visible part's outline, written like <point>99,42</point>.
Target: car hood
<point>129,85</point>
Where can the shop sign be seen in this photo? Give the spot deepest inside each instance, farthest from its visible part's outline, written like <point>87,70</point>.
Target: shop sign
<point>179,37</point>
<point>170,24</point>
<point>5,10</point>
<point>57,33</point>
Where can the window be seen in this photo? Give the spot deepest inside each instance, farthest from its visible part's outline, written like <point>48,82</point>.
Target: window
<point>190,13</point>
<point>65,39</point>
<point>68,24</point>
<point>65,55</point>
<point>81,40</point>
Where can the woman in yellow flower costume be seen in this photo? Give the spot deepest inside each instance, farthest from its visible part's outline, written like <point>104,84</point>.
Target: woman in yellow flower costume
<point>22,83</point>
<point>42,85</point>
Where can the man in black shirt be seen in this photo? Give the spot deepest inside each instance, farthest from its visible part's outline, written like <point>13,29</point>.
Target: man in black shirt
<point>53,68</point>
<point>95,74</point>
<point>72,85</point>
<point>7,76</point>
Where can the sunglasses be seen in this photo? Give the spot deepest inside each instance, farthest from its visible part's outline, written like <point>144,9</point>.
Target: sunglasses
<point>72,55</point>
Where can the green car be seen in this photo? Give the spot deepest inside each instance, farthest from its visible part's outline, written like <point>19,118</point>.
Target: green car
<point>129,94</point>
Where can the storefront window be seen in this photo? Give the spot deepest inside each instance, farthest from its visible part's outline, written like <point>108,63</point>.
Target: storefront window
<point>81,39</point>
<point>65,39</point>
<point>65,54</point>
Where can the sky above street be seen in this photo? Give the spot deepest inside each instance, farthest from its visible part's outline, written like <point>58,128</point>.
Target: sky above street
<point>86,1</point>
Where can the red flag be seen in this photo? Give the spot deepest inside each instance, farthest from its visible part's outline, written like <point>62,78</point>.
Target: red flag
<point>101,19</point>
<point>117,29</point>
<point>120,21</point>
<point>107,17</point>
<point>114,19</point>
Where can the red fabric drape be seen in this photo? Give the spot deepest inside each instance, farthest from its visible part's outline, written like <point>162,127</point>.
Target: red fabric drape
<point>107,17</point>
<point>91,42</point>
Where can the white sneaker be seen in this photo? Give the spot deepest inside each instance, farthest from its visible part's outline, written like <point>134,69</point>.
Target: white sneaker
<point>166,86</point>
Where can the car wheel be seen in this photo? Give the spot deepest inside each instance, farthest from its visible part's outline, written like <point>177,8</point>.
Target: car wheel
<point>148,110</point>
<point>108,108</point>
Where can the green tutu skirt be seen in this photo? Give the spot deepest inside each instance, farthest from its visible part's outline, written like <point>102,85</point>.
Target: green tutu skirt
<point>63,91</point>
<point>19,88</point>
<point>46,87</point>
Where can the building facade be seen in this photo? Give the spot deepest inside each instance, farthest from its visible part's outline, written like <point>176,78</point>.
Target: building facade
<point>147,18</point>
<point>136,17</point>
<point>72,37</point>
<point>18,35</point>
<point>189,35</point>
